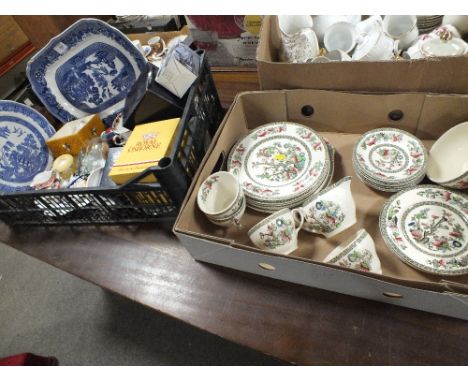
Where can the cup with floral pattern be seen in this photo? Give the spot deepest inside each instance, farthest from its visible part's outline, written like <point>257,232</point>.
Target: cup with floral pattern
<point>278,232</point>
<point>331,210</point>
<point>358,253</point>
<point>221,199</point>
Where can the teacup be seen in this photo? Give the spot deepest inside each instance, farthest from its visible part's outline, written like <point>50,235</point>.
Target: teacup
<point>372,43</point>
<point>340,36</point>
<point>331,210</point>
<point>278,232</point>
<point>448,162</point>
<point>323,22</point>
<point>298,41</point>
<point>356,253</point>
<point>221,199</point>
<point>402,28</point>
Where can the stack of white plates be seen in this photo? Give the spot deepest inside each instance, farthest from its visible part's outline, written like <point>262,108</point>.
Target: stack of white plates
<point>281,164</point>
<point>427,23</point>
<point>389,159</point>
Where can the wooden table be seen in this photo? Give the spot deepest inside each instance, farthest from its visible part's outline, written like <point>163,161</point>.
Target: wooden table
<point>297,324</point>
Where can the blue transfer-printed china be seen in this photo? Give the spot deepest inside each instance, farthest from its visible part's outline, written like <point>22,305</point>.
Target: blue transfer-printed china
<point>23,149</point>
<point>89,68</point>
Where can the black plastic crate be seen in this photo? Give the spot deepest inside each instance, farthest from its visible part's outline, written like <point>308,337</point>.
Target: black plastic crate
<point>131,202</point>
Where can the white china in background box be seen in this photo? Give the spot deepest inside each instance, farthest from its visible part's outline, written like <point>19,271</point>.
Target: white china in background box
<point>298,40</point>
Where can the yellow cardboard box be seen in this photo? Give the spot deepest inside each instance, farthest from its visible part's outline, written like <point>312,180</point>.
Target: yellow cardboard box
<point>147,144</point>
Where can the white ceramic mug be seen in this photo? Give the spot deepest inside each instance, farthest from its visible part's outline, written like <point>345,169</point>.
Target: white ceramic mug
<point>298,41</point>
<point>340,36</point>
<point>402,28</point>
<point>331,210</point>
<point>358,253</point>
<point>221,199</point>
<point>278,232</point>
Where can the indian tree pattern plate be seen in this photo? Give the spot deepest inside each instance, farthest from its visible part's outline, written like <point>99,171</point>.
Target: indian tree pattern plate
<point>23,149</point>
<point>280,161</point>
<point>390,155</point>
<point>427,228</point>
<point>89,68</point>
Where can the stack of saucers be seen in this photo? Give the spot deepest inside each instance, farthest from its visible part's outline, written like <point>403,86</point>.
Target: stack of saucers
<point>389,159</point>
<point>281,164</point>
<point>428,23</point>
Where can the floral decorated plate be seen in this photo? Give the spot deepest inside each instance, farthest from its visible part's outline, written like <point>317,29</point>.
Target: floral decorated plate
<point>23,149</point>
<point>89,68</point>
<point>390,156</point>
<point>279,162</point>
<point>427,228</point>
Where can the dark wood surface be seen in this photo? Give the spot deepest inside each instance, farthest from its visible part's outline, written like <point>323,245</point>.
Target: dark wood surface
<point>297,324</point>
<point>231,80</point>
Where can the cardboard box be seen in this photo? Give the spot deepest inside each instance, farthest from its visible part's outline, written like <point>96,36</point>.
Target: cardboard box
<point>342,118</point>
<point>228,40</point>
<point>438,75</point>
<point>146,146</point>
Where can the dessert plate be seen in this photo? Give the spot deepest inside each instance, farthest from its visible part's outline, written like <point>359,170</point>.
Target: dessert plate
<point>89,68</point>
<point>279,162</point>
<point>390,156</point>
<point>23,149</point>
<point>427,228</point>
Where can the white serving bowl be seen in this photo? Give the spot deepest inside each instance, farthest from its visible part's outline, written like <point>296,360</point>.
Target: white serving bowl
<point>448,158</point>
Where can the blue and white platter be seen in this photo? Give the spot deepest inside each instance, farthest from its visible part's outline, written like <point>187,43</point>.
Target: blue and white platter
<point>23,149</point>
<point>89,68</point>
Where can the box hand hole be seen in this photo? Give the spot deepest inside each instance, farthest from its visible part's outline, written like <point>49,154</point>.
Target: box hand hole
<point>392,295</point>
<point>267,267</point>
<point>307,111</point>
<point>396,115</point>
<point>219,163</point>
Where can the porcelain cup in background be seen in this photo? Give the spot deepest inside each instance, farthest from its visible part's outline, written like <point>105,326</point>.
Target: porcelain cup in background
<point>278,232</point>
<point>357,253</point>
<point>372,43</point>
<point>323,22</point>
<point>331,210</point>
<point>298,42</point>
<point>458,21</point>
<point>448,158</point>
<point>341,36</point>
<point>402,28</point>
<point>221,199</point>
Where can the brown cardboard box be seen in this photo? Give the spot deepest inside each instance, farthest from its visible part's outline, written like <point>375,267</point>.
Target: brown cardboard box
<point>342,118</point>
<point>437,75</point>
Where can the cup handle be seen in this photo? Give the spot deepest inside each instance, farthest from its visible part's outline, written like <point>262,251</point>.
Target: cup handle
<point>298,215</point>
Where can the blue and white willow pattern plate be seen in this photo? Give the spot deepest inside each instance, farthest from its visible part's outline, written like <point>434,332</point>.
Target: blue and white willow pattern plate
<point>23,149</point>
<point>89,68</point>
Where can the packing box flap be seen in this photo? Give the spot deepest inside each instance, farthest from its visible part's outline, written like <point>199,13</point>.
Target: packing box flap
<point>426,116</point>
<point>440,75</point>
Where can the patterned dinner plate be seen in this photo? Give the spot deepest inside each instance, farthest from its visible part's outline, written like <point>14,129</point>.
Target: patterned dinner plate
<point>89,68</point>
<point>23,149</point>
<point>427,228</point>
<point>280,161</point>
<point>390,156</point>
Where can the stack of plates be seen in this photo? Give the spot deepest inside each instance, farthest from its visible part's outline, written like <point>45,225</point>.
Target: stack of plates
<point>427,23</point>
<point>281,164</point>
<point>389,159</point>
